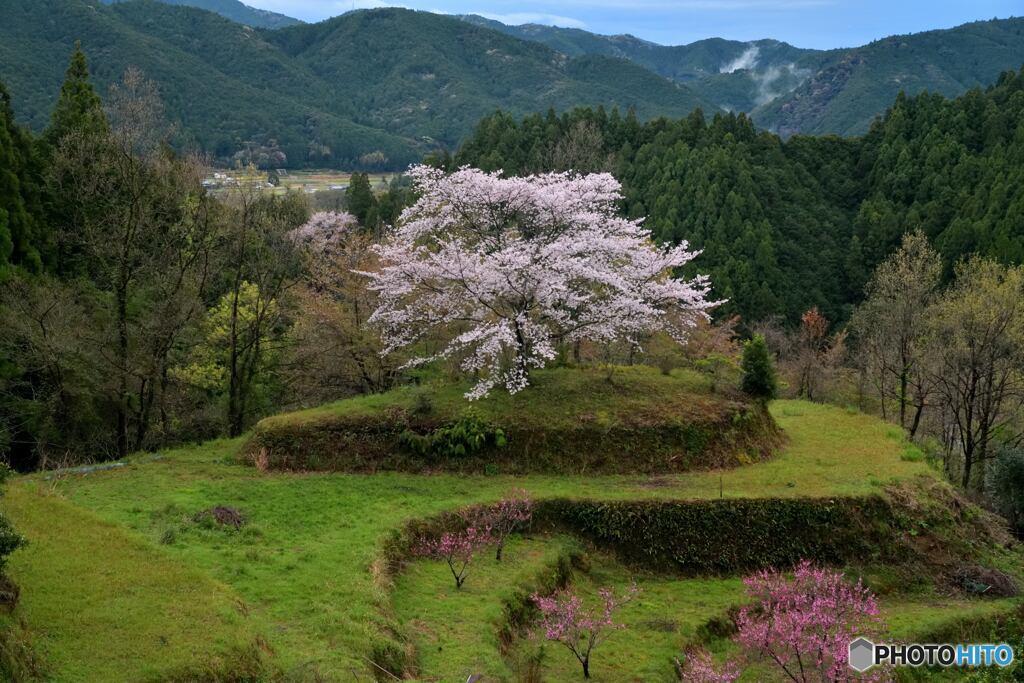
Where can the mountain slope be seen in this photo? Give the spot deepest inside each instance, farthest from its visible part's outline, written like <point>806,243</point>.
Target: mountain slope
<point>845,96</point>
<point>449,74</point>
<point>731,74</point>
<point>394,81</point>
<point>227,87</point>
<point>792,90</point>
<point>236,11</point>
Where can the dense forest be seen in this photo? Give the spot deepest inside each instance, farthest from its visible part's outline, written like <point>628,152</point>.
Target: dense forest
<point>140,310</point>
<point>786,225</point>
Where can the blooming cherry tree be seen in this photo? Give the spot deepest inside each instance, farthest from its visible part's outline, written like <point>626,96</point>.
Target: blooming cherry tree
<point>325,232</point>
<point>564,619</point>
<point>805,625</point>
<point>506,268</point>
<point>457,548</point>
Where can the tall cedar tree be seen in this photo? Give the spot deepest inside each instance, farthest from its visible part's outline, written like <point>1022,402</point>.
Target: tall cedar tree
<point>79,116</point>
<point>21,239</point>
<point>759,379</point>
<point>78,108</point>
<point>361,202</point>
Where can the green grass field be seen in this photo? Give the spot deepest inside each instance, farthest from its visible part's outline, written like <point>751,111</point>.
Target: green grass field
<point>119,582</point>
<point>306,181</point>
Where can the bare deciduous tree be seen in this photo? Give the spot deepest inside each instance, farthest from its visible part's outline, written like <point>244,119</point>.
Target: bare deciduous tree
<point>976,335</point>
<point>890,328</point>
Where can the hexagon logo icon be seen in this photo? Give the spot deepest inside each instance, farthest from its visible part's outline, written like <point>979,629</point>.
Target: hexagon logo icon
<point>862,654</point>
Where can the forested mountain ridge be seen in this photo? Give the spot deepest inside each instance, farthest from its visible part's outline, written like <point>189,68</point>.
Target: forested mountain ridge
<point>235,11</point>
<point>790,224</point>
<point>793,90</point>
<point>370,88</point>
<point>858,84</point>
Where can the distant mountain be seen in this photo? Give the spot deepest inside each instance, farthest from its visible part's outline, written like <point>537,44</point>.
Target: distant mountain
<point>430,75</point>
<point>793,90</point>
<point>235,11</point>
<point>379,88</point>
<point>335,93</point>
<point>854,86</point>
<point>733,75</point>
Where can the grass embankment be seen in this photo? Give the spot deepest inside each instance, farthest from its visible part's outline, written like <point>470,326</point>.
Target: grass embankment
<point>301,566</point>
<point>631,419</point>
<point>107,605</point>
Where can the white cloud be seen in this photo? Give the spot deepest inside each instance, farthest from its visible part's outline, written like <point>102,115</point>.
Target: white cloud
<point>517,18</point>
<point>725,5</point>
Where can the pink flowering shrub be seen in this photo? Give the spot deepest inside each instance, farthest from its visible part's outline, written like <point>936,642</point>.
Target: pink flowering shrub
<point>504,517</point>
<point>804,625</point>
<point>697,667</point>
<point>565,620</point>
<point>457,548</point>
<point>514,266</point>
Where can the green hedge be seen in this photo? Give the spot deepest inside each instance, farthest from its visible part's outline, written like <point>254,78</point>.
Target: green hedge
<point>729,536</point>
<point>374,443</point>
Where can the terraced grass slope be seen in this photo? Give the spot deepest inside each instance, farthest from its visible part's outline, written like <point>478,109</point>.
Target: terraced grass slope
<point>622,420</point>
<point>302,583</point>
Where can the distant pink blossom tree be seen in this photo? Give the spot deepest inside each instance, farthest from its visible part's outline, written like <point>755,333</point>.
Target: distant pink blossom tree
<point>325,233</point>
<point>508,268</point>
<point>565,620</point>
<point>805,624</point>
<point>504,517</point>
<point>697,667</point>
<point>456,548</point>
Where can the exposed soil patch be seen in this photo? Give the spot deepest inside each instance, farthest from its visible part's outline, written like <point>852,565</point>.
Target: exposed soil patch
<point>223,516</point>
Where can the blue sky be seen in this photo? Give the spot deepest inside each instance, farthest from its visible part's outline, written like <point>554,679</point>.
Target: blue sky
<point>805,23</point>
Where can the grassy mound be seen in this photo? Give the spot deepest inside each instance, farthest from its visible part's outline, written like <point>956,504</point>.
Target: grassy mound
<point>631,419</point>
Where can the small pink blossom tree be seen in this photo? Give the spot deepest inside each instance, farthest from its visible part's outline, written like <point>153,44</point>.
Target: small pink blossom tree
<point>805,624</point>
<point>506,268</point>
<point>565,620</point>
<point>325,232</point>
<point>456,548</point>
<point>504,517</point>
<point>697,667</point>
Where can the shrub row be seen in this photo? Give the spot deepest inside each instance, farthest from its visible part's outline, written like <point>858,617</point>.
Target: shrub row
<point>372,443</point>
<point>729,536</point>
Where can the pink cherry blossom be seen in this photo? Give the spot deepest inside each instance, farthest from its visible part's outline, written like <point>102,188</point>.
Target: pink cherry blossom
<point>566,620</point>
<point>507,268</point>
<point>324,232</point>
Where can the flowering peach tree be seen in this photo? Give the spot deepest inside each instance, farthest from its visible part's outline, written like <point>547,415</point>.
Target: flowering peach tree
<point>698,667</point>
<point>456,548</point>
<point>564,619</point>
<point>502,518</point>
<point>804,625</point>
<point>507,268</point>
